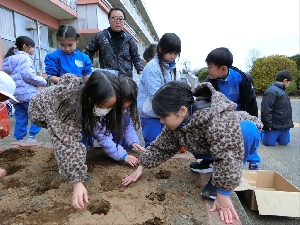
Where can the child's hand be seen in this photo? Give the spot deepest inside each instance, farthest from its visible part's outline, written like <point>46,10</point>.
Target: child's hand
<point>131,160</point>
<point>2,173</point>
<point>138,147</point>
<point>134,176</point>
<point>226,208</point>
<point>80,195</point>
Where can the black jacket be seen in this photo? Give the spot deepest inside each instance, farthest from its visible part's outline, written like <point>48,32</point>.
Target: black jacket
<point>122,59</point>
<point>276,109</point>
<point>247,93</point>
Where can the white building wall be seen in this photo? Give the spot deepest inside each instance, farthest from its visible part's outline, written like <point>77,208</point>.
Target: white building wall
<point>13,25</point>
<point>91,17</point>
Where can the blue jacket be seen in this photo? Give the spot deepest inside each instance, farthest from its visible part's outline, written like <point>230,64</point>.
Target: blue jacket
<point>124,61</point>
<point>20,67</point>
<point>107,143</point>
<point>276,109</point>
<point>238,87</point>
<point>150,81</point>
<point>59,63</point>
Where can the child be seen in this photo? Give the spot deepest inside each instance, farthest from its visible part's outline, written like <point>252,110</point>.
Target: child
<point>73,106</point>
<point>148,55</point>
<point>19,65</point>
<point>160,70</point>
<point>237,87</point>
<point>67,59</point>
<point>207,126</point>
<point>130,121</point>
<point>150,52</point>
<point>276,111</point>
<point>7,89</point>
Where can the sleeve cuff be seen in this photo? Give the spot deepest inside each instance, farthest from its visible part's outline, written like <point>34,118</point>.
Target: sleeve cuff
<point>123,157</point>
<point>223,192</point>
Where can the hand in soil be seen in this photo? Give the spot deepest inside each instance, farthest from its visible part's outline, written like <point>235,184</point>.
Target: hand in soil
<point>79,195</point>
<point>131,160</point>
<point>134,176</point>
<point>226,209</point>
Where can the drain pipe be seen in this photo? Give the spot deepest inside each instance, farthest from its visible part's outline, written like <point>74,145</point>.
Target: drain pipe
<point>38,26</point>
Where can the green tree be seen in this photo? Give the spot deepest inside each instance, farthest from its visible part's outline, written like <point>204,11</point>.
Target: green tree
<point>296,58</point>
<point>265,69</point>
<point>202,74</point>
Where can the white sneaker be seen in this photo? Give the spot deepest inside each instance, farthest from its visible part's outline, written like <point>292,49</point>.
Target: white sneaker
<point>29,139</point>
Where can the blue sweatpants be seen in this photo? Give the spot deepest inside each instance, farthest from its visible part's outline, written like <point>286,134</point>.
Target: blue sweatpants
<point>21,116</point>
<point>151,128</point>
<point>251,138</point>
<point>270,137</point>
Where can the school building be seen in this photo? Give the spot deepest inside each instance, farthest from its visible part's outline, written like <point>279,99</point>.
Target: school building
<point>39,20</point>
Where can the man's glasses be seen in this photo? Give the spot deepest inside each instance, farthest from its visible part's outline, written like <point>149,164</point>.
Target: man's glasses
<point>115,18</point>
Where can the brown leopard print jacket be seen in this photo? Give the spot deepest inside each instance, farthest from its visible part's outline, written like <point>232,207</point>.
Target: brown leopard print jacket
<point>214,130</point>
<point>69,151</point>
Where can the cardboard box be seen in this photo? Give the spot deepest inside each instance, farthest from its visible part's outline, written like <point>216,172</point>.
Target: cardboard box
<point>269,193</point>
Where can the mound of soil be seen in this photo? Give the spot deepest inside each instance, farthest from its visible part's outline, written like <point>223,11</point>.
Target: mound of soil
<point>33,192</point>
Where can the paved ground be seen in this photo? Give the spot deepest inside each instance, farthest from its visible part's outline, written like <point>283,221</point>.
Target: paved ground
<point>284,159</point>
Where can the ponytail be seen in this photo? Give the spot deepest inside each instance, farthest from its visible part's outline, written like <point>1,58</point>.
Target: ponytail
<point>10,52</point>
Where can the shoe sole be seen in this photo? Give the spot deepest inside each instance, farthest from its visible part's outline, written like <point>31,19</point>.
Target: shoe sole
<point>209,170</point>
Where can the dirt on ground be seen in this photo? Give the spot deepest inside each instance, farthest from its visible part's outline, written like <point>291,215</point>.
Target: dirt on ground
<point>33,192</point>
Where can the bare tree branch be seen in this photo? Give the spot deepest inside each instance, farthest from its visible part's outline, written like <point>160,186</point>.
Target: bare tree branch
<point>252,55</point>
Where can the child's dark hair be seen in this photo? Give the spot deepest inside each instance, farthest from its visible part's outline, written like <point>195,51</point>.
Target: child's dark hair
<point>171,97</point>
<point>169,42</point>
<point>116,8</point>
<point>220,57</point>
<point>284,74</point>
<point>67,31</point>
<point>100,87</point>
<point>20,42</point>
<point>150,52</point>
<point>129,94</point>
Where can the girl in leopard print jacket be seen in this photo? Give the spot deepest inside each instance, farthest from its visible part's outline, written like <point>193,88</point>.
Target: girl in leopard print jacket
<point>209,125</point>
<point>71,107</point>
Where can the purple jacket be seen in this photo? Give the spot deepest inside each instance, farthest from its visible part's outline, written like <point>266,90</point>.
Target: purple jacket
<point>20,67</point>
<point>109,146</point>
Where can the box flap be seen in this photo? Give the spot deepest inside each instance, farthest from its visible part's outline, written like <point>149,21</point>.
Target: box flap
<point>265,178</point>
<point>278,203</point>
<point>243,186</point>
<point>251,177</point>
<point>281,184</point>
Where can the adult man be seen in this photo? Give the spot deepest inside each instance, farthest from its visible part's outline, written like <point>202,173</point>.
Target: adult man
<point>117,49</point>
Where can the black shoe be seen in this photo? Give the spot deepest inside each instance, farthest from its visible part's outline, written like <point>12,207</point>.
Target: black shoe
<point>209,191</point>
<point>253,166</point>
<point>205,166</point>
<point>87,178</point>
